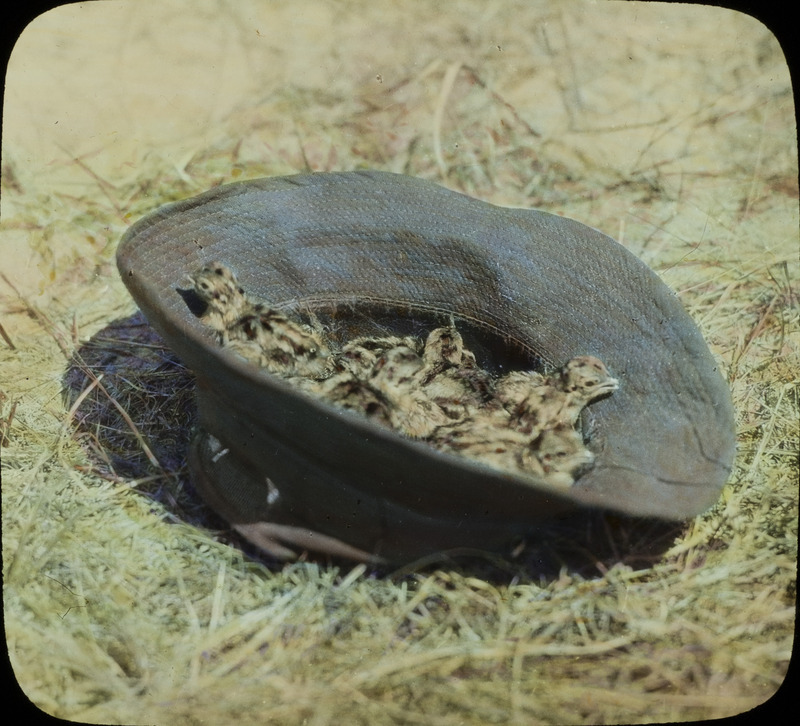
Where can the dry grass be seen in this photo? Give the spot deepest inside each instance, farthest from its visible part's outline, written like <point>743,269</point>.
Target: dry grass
<point>126,601</point>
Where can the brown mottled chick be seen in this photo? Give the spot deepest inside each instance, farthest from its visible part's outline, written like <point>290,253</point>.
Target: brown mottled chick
<point>256,331</point>
<point>218,288</point>
<point>395,377</point>
<point>513,388</point>
<point>360,354</point>
<point>346,390</point>
<point>487,437</point>
<point>538,403</point>
<point>288,347</point>
<point>444,348</point>
<point>225,303</point>
<point>558,456</point>
<point>450,377</point>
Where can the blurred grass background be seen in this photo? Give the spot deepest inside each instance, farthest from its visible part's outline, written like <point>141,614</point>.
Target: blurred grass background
<point>669,127</point>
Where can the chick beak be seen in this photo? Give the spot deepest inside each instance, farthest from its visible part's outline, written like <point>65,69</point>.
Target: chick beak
<point>607,386</point>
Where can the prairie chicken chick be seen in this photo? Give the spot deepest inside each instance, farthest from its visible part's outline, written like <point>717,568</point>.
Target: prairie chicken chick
<point>444,348</point>
<point>480,431</point>
<point>345,390</point>
<point>513,388</point>
<point>559,456</point>
<point>360,354</point>
<point>459,392</point>
<point>450,375</point>
<point>357,360</point>
<point>398,366</point>
<point>395,376</point>
<point>254,330</point>
<point>287,347</point>
<point>379,345</point>
<point>487,437</point>
<point>586,378</point>
<point>225,303</point>
<point>538,403</point>
<point>218,288</point>
<point>414,414</point>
